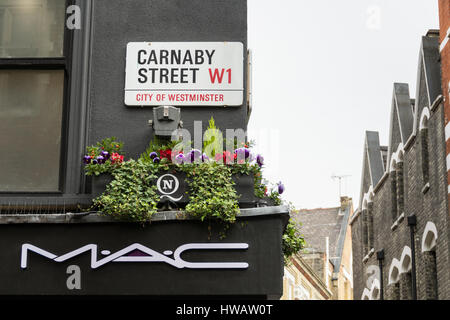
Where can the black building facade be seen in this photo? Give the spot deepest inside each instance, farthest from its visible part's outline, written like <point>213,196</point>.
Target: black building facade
<point>83,93</point>
<point>62,80</point>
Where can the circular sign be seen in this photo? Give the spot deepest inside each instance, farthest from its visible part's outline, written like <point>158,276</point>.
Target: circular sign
<point>167,184</point>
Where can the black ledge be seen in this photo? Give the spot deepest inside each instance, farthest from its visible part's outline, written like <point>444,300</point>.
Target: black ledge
<point>97,217</point>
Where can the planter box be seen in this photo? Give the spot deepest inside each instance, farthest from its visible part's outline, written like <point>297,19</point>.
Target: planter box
<point>245,188</point>
<point>173,188</point>
<point>99,184</point>
<point>165,258</point>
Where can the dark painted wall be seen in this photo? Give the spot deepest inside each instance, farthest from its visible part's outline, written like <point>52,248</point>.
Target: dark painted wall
<point>117,22</point>
<point>263,277</point>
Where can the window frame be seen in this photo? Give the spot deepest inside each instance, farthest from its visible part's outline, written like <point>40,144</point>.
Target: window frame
<point>424,134</point>
<point>63,63</point>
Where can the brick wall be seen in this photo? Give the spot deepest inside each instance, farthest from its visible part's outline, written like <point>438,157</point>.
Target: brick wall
<point>428,204</point>
<point>430,276</point>
<point>431,206</point>
<point>444,24</point>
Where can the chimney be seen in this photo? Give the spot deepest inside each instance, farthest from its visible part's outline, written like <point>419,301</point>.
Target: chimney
<point>433,33</point>
<point>444,41</point>
<point>345,202</point>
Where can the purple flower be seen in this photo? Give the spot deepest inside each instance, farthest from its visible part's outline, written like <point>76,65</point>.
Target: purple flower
<point>260,160</point>
<point>280,188</point>
<point>105,154</point>
<point>153,155</point>
<point>101,159</point>
<point>180,159</point>
<point>194,155</point>
<point>205,158</point>
<point>86,159</point>
<point>94,161</point>
<point>242,154</point>
<point>156,160</point>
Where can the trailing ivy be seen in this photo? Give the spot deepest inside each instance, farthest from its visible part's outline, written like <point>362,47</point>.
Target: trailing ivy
<point>293,241</point>
<point>212,192</point>
<point>132,193</point>
<point>275,196</point>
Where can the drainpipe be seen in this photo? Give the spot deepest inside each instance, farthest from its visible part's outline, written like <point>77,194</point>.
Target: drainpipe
<point>327,259</point>
<point>412,222</point>
<point>380,258</point>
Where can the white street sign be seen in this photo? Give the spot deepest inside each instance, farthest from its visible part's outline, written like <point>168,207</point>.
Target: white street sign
<point>184,74</point>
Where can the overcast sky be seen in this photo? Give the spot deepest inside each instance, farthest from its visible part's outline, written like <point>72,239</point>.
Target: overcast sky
<point>323,74</point>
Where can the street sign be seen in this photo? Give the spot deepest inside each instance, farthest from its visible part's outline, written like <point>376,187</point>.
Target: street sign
<point>184,74</point>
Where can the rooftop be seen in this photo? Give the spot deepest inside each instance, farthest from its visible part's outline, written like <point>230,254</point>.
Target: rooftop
<point>316,225</point>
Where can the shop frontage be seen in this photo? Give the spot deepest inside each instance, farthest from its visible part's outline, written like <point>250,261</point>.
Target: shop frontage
<point>173,257</point>
<point>120,218</point>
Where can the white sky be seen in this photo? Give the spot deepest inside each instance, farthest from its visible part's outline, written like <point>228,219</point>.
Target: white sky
<point>323,74</point>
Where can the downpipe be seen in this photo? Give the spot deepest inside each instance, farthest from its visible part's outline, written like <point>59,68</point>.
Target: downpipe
<point>380,258</point>
<point>412,222</point>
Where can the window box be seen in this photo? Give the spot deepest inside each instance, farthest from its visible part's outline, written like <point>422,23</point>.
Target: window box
<point>99,184</point>
<point>173,187</point>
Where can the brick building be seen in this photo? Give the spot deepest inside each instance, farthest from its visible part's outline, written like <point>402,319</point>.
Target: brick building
<point>302,282</point>
<point>400,232</point>
<point>328,252</point>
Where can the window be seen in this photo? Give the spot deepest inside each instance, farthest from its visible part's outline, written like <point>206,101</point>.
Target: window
<point>32,28</point>
<point>370,222</point>
<point>400,185</point>
<point>394,291</point>
<point>429,240</point>
<point>393,175</point>
<point>34,69</point>
<point>430,270</point>
<point>424,144</point>
<point>365,231</point>
<point>397,184</point>
<point>367,222</point>
<point>406,286</point>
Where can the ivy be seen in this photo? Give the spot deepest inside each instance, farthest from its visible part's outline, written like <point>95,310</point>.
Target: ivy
<point>275,196</point>
<point>132,193</point>
<point>212,194</point>
<point>293,241</point>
